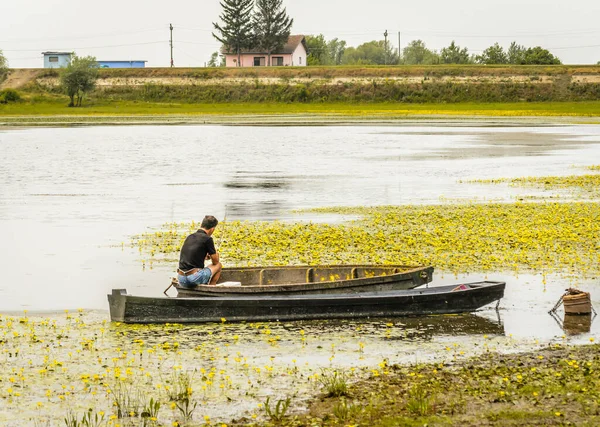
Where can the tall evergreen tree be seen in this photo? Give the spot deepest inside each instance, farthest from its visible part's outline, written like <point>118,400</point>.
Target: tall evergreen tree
<point>236,32</point>
<point>271,25</point>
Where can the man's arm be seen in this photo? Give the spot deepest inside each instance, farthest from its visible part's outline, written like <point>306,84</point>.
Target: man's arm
<point>212,252</point>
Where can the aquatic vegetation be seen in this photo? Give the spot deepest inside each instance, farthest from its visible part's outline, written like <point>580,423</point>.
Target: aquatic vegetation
<point>419,402</point>
<point>88,419</point>
<point>580,185</point>
<point>519,237</point>
<point>277,412</point>
<point>344,410</point>
<point>59,366</point>
<point>335,383</point>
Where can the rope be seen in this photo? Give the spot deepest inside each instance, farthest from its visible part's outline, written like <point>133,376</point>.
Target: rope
<point>558,303</point>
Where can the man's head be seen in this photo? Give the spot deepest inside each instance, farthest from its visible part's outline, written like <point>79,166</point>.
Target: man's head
<point>209,224</point>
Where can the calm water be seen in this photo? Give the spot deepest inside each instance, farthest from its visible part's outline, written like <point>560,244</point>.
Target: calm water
<point>70,196</point>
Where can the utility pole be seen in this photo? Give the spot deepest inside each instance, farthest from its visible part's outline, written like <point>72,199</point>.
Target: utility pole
<point>385,49</point>
<point>399,49</point>
<point>171,42</point>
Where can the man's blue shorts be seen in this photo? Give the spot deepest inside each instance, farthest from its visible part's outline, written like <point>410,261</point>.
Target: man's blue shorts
<point>201,277</point>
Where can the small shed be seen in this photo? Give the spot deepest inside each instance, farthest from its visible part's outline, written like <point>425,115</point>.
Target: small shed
<point>123,64</point>
<point>56,59</point>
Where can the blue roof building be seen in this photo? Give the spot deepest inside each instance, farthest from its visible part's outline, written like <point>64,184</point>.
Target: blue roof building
<point>122,64</point>
<point>56,59</point>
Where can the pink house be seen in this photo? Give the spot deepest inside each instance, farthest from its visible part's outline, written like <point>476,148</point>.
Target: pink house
<point>293,53</point>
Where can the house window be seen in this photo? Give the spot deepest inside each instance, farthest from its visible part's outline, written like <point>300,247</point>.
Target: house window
<point>53,59</point>
<point>277,61</point>
<point>259,61</point>
<point>300,60</point>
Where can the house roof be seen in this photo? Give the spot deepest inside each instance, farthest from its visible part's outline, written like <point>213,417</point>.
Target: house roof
<point>288,48</point>
<point>57,53</point>
<point>121,60</point>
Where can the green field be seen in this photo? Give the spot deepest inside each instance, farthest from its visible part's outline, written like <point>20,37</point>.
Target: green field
<point>391,110</point>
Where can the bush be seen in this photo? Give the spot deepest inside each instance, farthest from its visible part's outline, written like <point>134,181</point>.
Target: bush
<point>9,95</point>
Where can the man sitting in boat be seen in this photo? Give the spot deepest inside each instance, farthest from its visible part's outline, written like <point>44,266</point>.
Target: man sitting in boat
<point>196,249</point>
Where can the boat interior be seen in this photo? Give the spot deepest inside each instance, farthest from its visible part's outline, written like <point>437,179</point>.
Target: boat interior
<point>266,276</point>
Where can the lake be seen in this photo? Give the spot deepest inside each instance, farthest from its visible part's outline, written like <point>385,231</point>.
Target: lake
<point>72,197</point>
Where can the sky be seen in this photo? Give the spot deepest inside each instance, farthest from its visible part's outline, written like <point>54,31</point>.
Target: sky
<point>139,30</point>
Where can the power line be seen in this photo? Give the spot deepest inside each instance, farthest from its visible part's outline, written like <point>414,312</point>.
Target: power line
<point>203,43</point>
<point>88,47</point>
<point>83,37</point>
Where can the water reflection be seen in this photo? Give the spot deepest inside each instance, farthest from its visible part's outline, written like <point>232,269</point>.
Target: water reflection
<point>408,329</point>
<point>260,181</point>
<point>264,210</point>
<point>574,324</point>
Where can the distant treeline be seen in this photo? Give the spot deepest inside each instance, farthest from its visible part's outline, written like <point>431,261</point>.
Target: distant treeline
<point>335,52</point>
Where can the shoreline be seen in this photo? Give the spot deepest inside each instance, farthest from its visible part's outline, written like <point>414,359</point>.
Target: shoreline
<point>27,121</point>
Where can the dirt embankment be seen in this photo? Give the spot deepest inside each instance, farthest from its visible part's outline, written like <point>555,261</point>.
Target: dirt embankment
<point>20,77</point>
<point>188,81</point>
<point>472,74</point>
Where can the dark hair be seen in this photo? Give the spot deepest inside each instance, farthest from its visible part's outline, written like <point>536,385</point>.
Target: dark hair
<point>209,222</point>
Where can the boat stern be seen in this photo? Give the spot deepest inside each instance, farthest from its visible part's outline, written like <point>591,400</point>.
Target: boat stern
<point>116,303</point>
<point>422,276</point>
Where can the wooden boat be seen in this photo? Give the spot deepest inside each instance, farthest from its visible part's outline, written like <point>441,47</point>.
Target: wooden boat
<point>437,300</point>
<point>305,280</point>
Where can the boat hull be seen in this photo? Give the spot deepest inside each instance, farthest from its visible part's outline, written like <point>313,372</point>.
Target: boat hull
<point>305,280</point>
<point>439,300</point>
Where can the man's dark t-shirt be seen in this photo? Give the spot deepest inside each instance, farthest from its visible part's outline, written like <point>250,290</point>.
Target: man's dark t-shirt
<point>194,250</point>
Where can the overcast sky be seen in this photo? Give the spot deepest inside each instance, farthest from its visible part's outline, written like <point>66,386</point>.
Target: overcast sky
<point>135,29</point>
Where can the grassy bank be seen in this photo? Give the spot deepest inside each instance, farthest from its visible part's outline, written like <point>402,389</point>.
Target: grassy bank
<point>47,107</point>
<point>555,386</point>
<point>358,92</point>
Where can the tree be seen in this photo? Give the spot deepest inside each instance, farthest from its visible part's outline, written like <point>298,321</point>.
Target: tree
<point>272,26</point>
<point>318,51</point>
<point>417,53</point>
<point>78,78</point>
<point>373,52</point>
<point>323,52</point>
<point>236,33</point>
<point>453,54</point>
<point>336,50</point>
<point>539,56</point>
<point>493,55</point>
<point>215,61</point>
<point>3,67</point>
<point>516,54</point>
